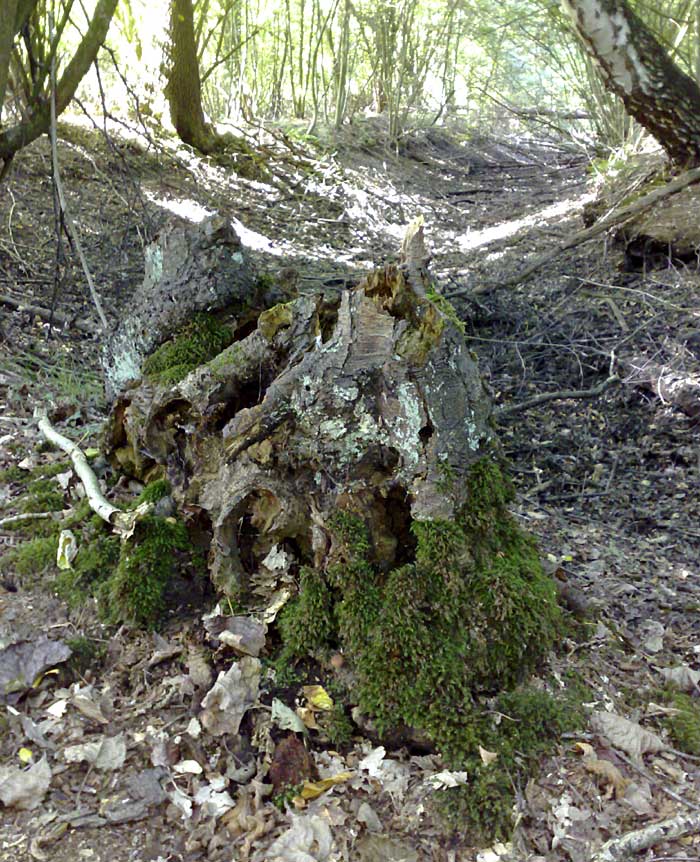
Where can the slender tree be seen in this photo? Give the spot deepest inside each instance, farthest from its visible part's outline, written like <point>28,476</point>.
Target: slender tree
<point>635,66</point>
<point>184,88</point>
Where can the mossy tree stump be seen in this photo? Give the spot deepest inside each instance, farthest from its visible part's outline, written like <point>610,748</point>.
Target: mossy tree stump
<point>343,451</point>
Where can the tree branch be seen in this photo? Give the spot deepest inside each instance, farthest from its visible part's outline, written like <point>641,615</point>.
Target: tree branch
<point>562,395</point>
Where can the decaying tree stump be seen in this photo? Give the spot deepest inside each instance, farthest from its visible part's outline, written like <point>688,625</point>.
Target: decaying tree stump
<point>368,405</point>
<point>190,268</point>
<point>340,458</point>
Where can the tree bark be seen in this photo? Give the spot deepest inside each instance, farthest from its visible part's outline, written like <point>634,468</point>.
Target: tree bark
<point>184,89</point>
<point>635,66</point>
<point>21,134</point>
<point>7,37</point>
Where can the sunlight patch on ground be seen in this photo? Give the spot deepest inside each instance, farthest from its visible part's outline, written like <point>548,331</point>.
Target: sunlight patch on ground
<point>476,238</point>
<point>184,207</point>
<point>194,212</point>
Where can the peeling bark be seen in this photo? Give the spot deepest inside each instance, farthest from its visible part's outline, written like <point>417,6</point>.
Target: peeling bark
<point>635,66</point>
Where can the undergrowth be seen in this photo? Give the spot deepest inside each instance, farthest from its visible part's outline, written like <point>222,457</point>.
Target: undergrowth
<point>131,579</point>
<point>430,641</point>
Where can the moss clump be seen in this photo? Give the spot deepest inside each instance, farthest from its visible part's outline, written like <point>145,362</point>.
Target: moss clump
<point>337,726</point>
<point>684,726</point>
<point>198,342</point>
<point>32,558</point>
<point>275,318</point>
<point>153,492</point>
<point>136,591</point>
<point>446,308</point>
<point>97,556</point>
<point>306,623</point>
<point>13,476</point>
<point>42,495</point>
<point>522,726</point>
<point>86,654</point>
<point>469,617</point>
<point>34,528</point>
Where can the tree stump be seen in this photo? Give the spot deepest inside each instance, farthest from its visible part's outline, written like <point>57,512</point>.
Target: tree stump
<point>340,458</point>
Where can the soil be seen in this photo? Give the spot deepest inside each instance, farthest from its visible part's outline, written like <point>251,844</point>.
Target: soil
<point>609,484</point>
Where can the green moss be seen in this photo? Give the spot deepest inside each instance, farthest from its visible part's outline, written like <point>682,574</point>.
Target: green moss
<point>306,623</point>
<point>471,616</point>
<point>136,592</point>
<point>684,726</point>
<point>520,728</point>
<point>87,654</point>
<point>96,559</point>
<point>446,308</point>
<point>34,528</point>
<point>42,495</point>
<point>13,476</point>
<point>198,342</point>
<point>337,726</point>
<point>32,558</point>
<point>274,319</point>
<point>153,492</point>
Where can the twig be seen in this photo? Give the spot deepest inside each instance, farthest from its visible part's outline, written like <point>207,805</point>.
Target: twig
<point>556,396</point>
<point>45,314</point>
<point>123,522</point>
<point>68,222</point>
<point>26,516</point>
<point>641,839</point>
<point>615,218</point>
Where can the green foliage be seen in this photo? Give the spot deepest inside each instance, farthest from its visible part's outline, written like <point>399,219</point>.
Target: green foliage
<point>32,558</point>
<point>472,615</point>
<point>285,797</point>
<point>198,342</point>
<point>306,623</point>
<point>13,476</point>
<point>97,556</point>
<point>530,721</point>
<point>42,495</point>
<point>337,726</point>
<point>86,653</point>
<point>135,592</point>
<point>685,724</point>
<point>446,307</point>
<point>153,492</point>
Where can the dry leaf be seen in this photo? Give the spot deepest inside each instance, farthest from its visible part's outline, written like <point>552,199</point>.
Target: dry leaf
<point>231,696</point>
<point>24,788</point>
<point>622,733</point>
<point>682,676</point>
<point>285,718</point>
<point>487,757</point>
<point>609,773</point>
<point>106,753</point>
<point>318,697</point>
<point>308,840</point>
<point>312,789</point>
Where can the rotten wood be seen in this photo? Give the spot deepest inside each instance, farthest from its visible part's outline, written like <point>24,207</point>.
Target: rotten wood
<point>368,401</point>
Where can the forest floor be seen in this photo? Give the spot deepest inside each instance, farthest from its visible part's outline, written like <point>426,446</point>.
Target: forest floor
<point>609,484</point>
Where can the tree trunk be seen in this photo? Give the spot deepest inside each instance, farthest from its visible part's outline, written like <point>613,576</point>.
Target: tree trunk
<point>634,66</point>
<point>21,134</point>
<point>184,90</point>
